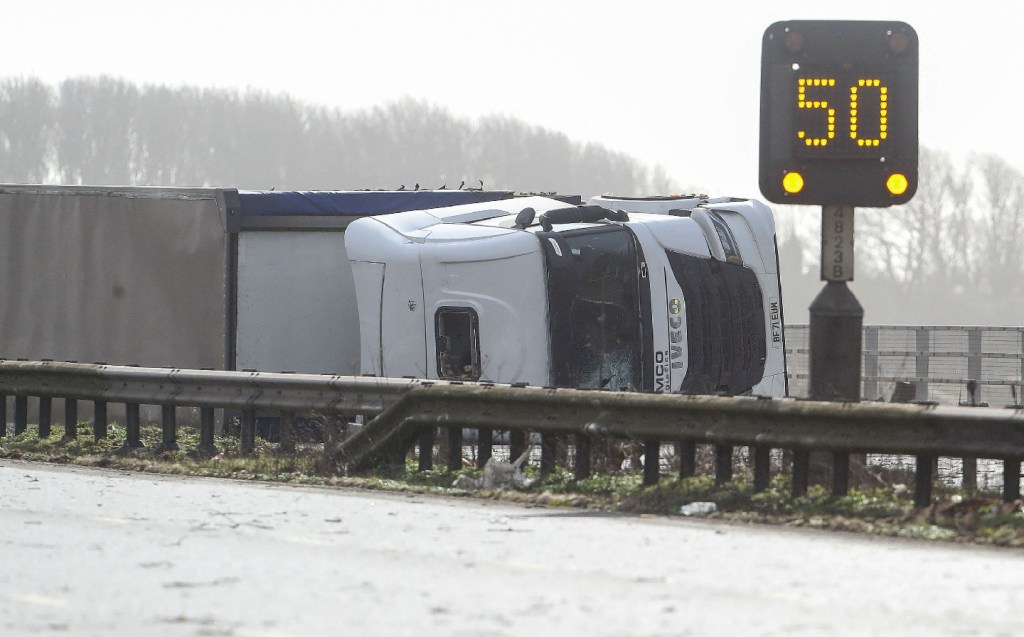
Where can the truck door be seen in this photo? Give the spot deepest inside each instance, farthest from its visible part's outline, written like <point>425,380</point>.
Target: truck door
<point>485,307</point>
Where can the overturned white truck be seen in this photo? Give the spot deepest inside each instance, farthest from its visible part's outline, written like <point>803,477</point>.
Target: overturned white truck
<point>650,294</point>
<point>660,294</point>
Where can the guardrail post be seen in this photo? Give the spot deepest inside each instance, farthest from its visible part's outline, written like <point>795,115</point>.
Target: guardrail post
<point>762,467</point>
<point>652,461</point>
<point>840,473</point>
<point>20,414</point>
<point>923,480</point>
<point>132,426</point>
<point>247,435</point>
<point>426,449</point>
<point>99,419</point>
<point>396,459</point>
<point>969,473</point>
<point>3,415</point>
<point>581,470</point>
<point>801,472</point>
<point>454,448</point>
<point>287,441</point>
<point>723,464</point>
<point>687,452</point>
<point>516,445</point>
<point>45,416</point>
<point>169,428</point>
<point>548,444</point>
<point>70,419</point>
<point>1011,479</point>
<point>921,359</point>
<point>206,426</point>
<point>485,446</point>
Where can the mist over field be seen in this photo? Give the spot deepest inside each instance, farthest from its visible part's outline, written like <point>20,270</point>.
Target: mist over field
<point>954,255</point>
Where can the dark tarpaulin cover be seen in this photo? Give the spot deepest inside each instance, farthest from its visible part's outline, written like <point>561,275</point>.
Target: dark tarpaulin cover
<point>357,202</point>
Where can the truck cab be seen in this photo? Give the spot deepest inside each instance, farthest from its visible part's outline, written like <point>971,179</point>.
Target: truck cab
<point>655,294</point>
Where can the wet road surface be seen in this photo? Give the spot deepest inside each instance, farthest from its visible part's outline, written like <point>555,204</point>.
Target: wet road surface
<point>97,552</point>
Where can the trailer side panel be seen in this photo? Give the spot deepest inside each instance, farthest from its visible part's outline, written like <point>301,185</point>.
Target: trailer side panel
<point>120,275</point>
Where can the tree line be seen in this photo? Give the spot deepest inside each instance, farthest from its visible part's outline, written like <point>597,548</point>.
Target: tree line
<point>113,132</point>
<point>953,255</point>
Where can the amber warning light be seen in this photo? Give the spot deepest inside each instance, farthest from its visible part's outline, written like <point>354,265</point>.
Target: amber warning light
<point>839,113</point>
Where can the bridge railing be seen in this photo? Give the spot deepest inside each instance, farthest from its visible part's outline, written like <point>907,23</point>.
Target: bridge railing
<point>405,412</point>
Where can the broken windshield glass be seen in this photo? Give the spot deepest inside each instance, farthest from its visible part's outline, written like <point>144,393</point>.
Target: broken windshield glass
<point>595,300</point>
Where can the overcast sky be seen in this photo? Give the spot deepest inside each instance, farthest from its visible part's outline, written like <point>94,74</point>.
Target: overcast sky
<point>672,83</point>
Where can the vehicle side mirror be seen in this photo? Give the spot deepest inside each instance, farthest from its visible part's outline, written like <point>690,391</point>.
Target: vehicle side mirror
<point>524,218</point>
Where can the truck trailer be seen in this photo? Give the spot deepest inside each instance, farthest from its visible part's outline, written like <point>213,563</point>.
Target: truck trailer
<point>647,294</point>
<point>187,277</point>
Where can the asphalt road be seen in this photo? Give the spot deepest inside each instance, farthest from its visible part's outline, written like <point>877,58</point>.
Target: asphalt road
<point>93,552</point>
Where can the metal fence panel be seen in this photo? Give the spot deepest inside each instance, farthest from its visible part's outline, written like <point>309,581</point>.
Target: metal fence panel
<point>934,363</point>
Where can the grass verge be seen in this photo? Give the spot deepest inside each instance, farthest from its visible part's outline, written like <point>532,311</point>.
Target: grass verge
<point>954,516</point>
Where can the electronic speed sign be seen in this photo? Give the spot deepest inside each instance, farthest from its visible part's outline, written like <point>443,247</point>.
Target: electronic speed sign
<point>839,113</point>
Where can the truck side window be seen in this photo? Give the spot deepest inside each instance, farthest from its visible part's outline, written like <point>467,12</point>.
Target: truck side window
<point>458,343</point>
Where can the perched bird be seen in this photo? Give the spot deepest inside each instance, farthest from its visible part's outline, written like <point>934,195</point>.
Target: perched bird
<point>443,186</point>
<point>461,184</point>
<point>402,187</point>
<point>417,186</point>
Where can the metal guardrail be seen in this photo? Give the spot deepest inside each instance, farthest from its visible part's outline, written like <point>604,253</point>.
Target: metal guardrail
<point>206,389</point>
<point>406,408</point>
<point>925,431</point>
<point>202,388</point>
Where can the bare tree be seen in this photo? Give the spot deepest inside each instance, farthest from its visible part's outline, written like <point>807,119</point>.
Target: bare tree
<point>954,253</point>
<point>96,140</point>
<point>920,243</point>
<point>26,129</point>
<point>999,242</point>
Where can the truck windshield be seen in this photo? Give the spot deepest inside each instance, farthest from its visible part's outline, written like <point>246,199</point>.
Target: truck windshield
<point>597,308</point>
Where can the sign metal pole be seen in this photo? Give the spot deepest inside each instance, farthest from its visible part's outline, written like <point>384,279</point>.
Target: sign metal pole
<point>836,317</point>
<point>836,329</point>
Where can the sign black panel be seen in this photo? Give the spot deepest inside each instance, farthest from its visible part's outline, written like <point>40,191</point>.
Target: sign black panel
<point>839,113</point>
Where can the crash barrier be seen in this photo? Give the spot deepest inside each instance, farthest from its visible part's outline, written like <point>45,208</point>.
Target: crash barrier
<point>406,411</point>
<point>245,392</point>
<point>904,363</point>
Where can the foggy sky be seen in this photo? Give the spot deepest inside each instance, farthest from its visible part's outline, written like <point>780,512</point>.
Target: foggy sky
<point>671,83</point>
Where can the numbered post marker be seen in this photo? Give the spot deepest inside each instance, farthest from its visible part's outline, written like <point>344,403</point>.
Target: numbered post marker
<point>837,243</point>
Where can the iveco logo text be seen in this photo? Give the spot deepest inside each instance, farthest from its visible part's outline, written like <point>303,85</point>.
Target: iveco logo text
<point>665,361</point>
<point>675,332</point>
